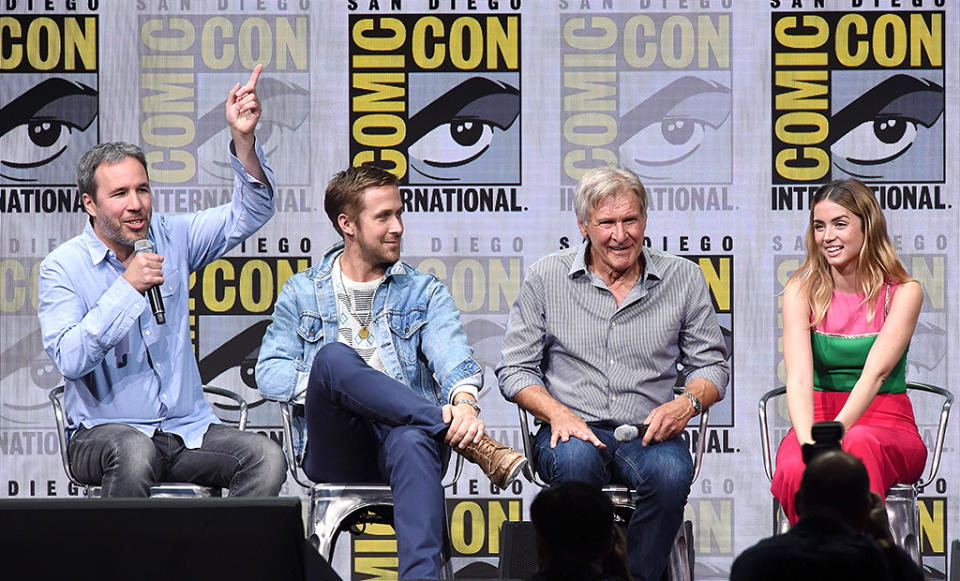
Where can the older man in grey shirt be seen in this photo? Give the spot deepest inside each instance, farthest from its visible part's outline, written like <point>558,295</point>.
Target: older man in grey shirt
<point>593,341</point>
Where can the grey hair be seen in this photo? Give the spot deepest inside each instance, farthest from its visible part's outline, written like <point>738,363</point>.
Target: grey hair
<point>602,182</point>
<point>105,153</point>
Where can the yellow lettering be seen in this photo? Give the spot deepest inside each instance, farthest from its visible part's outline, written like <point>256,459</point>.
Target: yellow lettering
<point>217,296</point>
<point>459,530</point>
<point>600,35</point>
<point>214,34</point>
<point>10,27</point>
<point>889,40</point>
<point>80,41</point>
<point>34,31</point>
<point>805,87</point>
<point>858,24</point>
<point>383,92</point>
<point>718,280</point>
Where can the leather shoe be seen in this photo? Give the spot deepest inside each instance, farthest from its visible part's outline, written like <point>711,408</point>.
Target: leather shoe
<point>501,463</point>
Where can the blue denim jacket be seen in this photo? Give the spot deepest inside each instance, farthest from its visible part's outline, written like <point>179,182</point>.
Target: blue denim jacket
<point>415,321</point>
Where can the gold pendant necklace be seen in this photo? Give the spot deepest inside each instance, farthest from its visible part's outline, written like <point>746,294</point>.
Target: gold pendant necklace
<point>364,331</point>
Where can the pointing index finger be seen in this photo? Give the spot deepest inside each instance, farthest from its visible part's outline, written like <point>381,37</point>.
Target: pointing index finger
<point>254,77</point>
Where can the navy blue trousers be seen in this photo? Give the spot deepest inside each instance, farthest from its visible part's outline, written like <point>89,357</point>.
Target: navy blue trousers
<point>365,427</point>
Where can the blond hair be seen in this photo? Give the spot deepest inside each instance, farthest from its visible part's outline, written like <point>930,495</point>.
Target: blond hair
<point>877,264</point>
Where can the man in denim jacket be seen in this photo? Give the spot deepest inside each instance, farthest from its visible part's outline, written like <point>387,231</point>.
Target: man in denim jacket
<point>376,350</point>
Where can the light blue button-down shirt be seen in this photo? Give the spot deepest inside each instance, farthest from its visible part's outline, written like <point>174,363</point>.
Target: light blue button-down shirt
<point>118,364</point>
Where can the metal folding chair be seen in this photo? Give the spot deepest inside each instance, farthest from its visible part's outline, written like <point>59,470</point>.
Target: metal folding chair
<point>682,556</point>
<point>337,507</point>
<point>900,501</point>
<point>161,489</point>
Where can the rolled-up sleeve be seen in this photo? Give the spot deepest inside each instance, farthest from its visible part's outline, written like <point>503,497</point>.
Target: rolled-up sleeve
<point>524,341</point>
<point>701,344</point>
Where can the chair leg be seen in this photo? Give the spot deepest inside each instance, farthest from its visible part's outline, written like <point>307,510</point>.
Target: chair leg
<point>904,519</point>
<point>680,563</point>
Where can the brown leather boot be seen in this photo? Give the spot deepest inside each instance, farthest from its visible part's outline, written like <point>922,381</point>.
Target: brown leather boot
<point>502,464</point>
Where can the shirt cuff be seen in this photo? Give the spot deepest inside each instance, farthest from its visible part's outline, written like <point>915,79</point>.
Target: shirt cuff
<point>464,388</point>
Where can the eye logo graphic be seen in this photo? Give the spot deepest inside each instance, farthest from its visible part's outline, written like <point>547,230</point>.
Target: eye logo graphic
<point>44,128</point>
<point>893,131</point>
<point>676,131</point>
<point>468,133</point>
<point>283,127</point>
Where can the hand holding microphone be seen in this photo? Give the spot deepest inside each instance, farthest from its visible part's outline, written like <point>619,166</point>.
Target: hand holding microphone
<point>629,432</point>
<point>145,274</point>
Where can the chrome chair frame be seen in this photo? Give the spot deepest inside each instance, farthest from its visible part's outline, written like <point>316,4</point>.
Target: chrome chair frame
<point>682,559</point>
<point>336,507</point>
<point>900,501</point>
<point>159,490</point>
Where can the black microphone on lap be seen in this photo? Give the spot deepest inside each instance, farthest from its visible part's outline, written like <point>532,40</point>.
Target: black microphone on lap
<point>628,432</point>
<point>153,293</point>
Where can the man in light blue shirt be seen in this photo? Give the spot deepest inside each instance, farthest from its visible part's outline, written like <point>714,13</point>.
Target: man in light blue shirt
<point>134,400</point>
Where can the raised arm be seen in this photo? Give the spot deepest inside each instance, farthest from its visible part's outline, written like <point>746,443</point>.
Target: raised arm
<point>214,231</point>
<point>886,351</point>
<point>243,113</point>
<point>798,359</point>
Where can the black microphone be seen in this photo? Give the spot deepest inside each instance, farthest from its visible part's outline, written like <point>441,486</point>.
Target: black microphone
<point>153,293</point>
<point>628,433</point>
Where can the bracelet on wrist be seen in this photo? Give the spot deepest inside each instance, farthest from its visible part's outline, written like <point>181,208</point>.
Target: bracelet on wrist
<point>470,403</point>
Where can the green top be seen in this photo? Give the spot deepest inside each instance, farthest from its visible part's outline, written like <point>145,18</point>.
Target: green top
<point>838,361</point>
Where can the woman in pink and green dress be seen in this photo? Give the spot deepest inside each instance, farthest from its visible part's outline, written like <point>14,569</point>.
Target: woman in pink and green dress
<point>848,315</point>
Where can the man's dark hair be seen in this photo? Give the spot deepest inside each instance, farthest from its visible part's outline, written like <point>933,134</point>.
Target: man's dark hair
<point>834,484</point>
<point>345,191</point>
<point>105,153</point>
<point>575,520</point>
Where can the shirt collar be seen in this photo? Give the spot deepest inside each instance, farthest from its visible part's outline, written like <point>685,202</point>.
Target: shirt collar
<point>97,249</point>
<point>579,265</point>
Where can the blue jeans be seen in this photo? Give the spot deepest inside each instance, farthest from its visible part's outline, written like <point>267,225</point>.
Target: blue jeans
<point>364,426</point>
<point>659,473</point>
<point>125,462</point>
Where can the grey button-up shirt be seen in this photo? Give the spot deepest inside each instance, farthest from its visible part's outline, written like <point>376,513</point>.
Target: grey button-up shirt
<point>608,363</point>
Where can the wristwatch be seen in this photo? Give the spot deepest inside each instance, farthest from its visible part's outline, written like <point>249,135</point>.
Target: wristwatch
<point>697,406</point>
<point>470,403</point>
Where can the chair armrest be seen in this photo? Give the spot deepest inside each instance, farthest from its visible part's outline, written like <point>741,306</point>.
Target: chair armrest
<point>56,399</point>
<point>530,470</point>
<point>293,463</point>
<point>941,429</point>
<point>457,470</point>
<point>701,437</point>
<point>765,430</point>
<point>241,403</point>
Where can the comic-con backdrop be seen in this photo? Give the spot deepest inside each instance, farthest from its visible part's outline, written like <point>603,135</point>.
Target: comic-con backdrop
<point>731,111</point>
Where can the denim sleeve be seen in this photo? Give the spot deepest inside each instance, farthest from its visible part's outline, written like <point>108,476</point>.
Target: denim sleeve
<point>276,372</point>
<point>445,344</point>
<point>75,337</point>
<point>700,341</point>
<point>524,340</point>
<point>214,231</point>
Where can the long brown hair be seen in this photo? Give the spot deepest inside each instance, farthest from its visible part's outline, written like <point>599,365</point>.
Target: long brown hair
<point>877,264</point>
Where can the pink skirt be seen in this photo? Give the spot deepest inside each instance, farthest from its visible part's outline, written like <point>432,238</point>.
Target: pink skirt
<point>885,438</point>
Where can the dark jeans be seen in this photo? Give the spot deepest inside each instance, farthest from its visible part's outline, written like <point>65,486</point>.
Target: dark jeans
<point>126,462</point>
<point>659,473</point>
<point>363,426</point>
